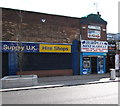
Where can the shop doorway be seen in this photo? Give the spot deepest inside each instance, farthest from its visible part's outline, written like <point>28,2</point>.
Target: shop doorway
<point>93,65</point>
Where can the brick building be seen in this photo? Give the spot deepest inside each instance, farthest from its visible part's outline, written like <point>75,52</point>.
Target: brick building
<point>46,30</point>
<point>94,45</point>
<point>49,45</point>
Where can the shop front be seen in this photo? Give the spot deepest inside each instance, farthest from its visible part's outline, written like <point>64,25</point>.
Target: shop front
<point>42,59</point>
<point>93,57</point>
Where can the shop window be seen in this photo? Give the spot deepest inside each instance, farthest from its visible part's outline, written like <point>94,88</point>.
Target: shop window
<point>94,32</point>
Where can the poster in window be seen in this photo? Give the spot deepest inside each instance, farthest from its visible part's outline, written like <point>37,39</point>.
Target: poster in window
<point>86,65</point>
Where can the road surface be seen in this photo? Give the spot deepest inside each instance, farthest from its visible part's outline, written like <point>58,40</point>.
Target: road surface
<point>103,93</point>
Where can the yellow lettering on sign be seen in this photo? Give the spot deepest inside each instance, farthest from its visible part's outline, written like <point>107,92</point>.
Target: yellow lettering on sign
<point>55,48</point>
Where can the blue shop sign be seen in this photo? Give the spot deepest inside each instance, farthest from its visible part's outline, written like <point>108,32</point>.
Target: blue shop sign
<point>19,47</point>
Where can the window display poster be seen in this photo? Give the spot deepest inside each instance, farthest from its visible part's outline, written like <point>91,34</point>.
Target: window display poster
<point>86,65</point>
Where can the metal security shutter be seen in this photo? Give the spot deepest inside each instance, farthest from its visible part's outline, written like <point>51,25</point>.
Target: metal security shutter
<point>4,64</point>
<point>46,61</point>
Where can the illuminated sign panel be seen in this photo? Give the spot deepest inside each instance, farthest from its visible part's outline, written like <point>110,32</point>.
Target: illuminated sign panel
<point>55,48</point>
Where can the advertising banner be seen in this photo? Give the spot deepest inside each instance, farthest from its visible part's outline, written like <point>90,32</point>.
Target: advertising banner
<point>34,47</point>
<point>55,48</point>
<point>94,46</point>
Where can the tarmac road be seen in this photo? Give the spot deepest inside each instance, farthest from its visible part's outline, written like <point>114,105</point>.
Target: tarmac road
<point>102,93</point>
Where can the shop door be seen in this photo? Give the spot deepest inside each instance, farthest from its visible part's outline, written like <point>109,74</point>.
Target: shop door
<point>93,65</point>
<point>4,64</point>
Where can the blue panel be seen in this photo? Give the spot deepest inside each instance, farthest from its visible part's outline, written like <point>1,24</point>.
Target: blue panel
<point>12,63</point>
<point>94,54</point>
<point>81,64</point>
<point>75,57</point>
<point>104,64</point>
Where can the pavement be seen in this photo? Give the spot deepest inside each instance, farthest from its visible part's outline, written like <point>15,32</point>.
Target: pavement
<point>62,81</point>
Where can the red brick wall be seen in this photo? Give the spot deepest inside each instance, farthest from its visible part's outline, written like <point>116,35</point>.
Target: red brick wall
<point>84,32</point>
<point>55,29</point>
<point>47,72</point>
